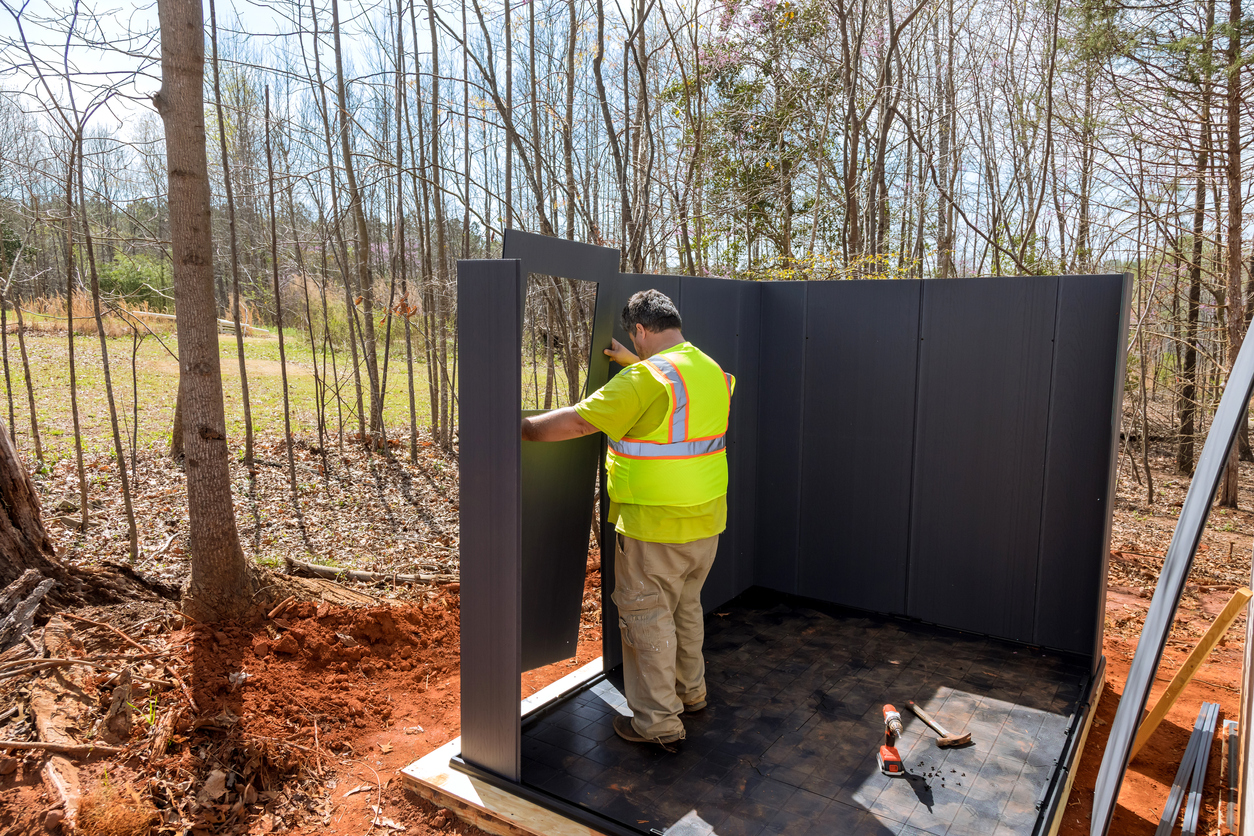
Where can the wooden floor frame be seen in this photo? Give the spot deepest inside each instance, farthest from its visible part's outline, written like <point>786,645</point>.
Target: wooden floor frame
<point>485,805</point>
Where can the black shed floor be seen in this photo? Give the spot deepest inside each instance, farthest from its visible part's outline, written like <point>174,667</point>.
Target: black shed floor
<point>788,742</point>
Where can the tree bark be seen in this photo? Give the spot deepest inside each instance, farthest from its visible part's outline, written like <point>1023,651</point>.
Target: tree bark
<point>1188,390</point>
<point>119,448</point>
<point>220,585</point>
<point>230,223</point>
<point>1236,313</point>
<point>24,542</point>
<point>362,251</point>
<point>25,545</point>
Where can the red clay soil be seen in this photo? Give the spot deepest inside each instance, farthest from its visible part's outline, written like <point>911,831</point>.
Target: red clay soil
<point>365,691</point>
<point>1150,775</point>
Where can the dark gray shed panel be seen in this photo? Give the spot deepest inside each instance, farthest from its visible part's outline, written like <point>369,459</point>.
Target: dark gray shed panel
<point>742,436</point>
<point>1079,471</point>
<point>557,484</point>
<point>983,408</point>
<point>782,359</point>
<point>711,314</point>
<point>572,260</point>
<point>862,342</point>
<point>489,299</point>
<point>558,479</point>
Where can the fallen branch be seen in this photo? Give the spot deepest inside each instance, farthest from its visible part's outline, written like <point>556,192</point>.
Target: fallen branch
<point>283,605</point>
<point>85,749</point>
<point>22,597</point>
<point>334,573</point>
<point>65,663</point>
<point>125,637</point>
<point>16,663</point>
<point>186,691</point>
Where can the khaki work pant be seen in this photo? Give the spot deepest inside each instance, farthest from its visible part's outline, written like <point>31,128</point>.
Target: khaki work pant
<point>657,589</point>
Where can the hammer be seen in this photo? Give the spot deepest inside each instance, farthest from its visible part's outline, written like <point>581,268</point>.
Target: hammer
<point>946,740</point>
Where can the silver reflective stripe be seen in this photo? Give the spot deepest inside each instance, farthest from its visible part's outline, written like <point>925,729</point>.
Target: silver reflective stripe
<point>672,450</point>
<point>679,418</point>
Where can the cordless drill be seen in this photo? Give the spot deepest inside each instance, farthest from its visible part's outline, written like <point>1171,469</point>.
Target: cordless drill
<point>889,758</point>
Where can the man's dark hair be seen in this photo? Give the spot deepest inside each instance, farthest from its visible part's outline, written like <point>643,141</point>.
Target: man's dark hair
<point>653,309</point>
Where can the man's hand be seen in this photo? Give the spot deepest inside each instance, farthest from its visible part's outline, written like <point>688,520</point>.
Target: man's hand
<point>620,354</point>
<point>558,425</point>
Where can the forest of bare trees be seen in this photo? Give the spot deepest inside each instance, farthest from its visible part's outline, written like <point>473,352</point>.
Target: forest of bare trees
<point>357,150</point>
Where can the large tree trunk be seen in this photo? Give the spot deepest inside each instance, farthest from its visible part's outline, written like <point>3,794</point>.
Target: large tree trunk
<point>1188,402</point>
<point>221,584</point>
<point>1236,308</point>
<point>24,542</point>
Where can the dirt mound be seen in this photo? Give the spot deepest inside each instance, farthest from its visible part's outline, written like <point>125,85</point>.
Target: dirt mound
<point>320,675</point>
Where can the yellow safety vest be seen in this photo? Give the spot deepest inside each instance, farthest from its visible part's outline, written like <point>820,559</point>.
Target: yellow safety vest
<point>683,461</point>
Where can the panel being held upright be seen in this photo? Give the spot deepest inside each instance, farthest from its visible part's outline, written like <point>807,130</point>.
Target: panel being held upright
<point>489,306</point>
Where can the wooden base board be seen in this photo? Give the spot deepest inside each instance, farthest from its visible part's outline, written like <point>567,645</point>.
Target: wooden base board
<point>1056,824</point>
<point>487,807</point>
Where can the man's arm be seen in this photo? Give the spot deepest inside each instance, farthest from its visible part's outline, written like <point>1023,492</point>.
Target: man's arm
<point>558,425</point>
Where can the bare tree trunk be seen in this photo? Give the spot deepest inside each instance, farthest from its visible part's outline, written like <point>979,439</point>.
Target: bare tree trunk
<point>136,341</point>
<point>327,341</point>
<point>1188,389</point>
<point>30,383</point>
<point>278,326</point>
<point>118,447</point>
<point>69,329</point>
<point>1140,334</point>
<point>4,349</point>
<point>350,311</point>
<point>220,585</point>
<point>437,193</point>
<point>399,259</point>
<point>24,542</point>
<point>230,222</point>
<point>357,207</point>
<point>1236,314</point>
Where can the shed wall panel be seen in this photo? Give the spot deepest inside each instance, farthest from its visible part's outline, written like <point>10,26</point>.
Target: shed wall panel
<point>489,295</point>
<point>1082,430</point>
<point>782,358</point>
<point>983,410</point>
<point>742,496</point>
<point>711,313</point>
<point>861,351</point>
<point>558,479</point>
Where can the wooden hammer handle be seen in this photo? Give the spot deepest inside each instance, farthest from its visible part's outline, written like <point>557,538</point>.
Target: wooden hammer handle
<point>927,718</point>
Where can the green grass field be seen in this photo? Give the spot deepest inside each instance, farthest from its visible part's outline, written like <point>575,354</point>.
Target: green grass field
<point>157,385</point>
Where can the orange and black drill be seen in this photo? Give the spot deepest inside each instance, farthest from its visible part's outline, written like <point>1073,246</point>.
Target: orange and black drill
<point>889,758</point>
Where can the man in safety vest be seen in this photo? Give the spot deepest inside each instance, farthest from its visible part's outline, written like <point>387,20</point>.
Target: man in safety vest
<point>666,417</point>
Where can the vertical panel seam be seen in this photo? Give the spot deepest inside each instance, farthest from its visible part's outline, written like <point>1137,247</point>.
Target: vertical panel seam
<point>751,546</point>
<point>1045,460</point>
<point>801,430</point>
<point>914,448</point>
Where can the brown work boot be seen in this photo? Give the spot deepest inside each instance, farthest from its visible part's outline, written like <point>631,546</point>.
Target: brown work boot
<point>695,707</point>
<point>624,729</point>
